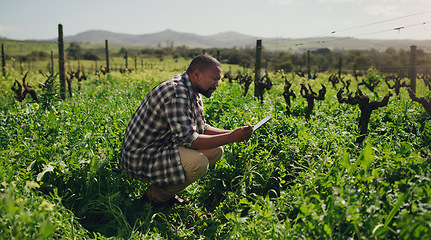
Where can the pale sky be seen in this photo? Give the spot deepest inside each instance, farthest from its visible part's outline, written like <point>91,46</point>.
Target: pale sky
<point>369,19</point>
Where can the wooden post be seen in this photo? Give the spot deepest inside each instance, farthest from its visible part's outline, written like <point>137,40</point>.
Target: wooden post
<point>107,55</point>
<point>61,62</point>
<point>340,64</point>
<point>20,65</point>
<point>218,55</point>
<point>257,65</point>
<point>308,65</point>
<point>412,70</point>
<point>52,62</point>
<point>125,57</point>
<point>142,64</point>
<point>354,69</point>
<point>3,60</point>
<point>136,64</point>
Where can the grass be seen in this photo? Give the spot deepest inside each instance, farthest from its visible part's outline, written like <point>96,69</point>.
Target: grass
<point>295,178</point>
<point>21,48</point>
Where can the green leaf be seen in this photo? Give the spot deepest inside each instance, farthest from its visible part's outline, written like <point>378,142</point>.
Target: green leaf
<point>327,229</point>
<point>52,118</point>
<point>345,162</point>
<point>46,168</point>
<point>367,157</point>
<point>397,206</point>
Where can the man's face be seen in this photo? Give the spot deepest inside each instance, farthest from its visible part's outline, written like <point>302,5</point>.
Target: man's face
<point>208,80</point>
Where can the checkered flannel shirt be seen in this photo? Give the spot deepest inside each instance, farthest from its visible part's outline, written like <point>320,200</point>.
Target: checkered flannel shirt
<point>171,115</point>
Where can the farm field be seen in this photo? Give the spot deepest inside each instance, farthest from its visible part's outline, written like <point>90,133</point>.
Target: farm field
<point>20,48</point>
<point>296,178</point>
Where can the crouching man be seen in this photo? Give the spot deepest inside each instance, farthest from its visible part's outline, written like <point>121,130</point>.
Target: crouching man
<point>168,142</point>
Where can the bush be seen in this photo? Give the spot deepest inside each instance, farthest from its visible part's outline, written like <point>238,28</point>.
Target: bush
<point>88,55</point>
<point>286,66</point>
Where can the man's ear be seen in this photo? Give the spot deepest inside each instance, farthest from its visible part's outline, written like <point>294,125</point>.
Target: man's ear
<point>197,74</point>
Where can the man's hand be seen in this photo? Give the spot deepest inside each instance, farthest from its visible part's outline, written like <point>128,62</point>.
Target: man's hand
<point>218,137</point>
<point>242,134</point>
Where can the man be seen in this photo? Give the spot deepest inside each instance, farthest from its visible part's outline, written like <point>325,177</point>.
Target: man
<point>168,142</point>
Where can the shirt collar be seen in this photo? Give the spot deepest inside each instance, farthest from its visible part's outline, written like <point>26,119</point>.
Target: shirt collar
<point>188,82</point>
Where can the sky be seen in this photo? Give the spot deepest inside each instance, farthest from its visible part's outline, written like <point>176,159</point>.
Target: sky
<point>366,19</point>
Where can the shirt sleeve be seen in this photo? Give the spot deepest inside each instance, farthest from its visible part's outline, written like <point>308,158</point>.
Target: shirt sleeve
<point>179,117</point>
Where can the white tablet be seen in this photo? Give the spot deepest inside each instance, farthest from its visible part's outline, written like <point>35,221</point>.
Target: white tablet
<point>263,121</point>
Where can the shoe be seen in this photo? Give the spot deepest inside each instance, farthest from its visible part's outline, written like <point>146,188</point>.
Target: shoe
<point>171,202</point>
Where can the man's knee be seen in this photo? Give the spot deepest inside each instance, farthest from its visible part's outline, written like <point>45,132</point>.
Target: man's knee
<point>203,164</point>
<point>197,168</point>
<point>214,154</point>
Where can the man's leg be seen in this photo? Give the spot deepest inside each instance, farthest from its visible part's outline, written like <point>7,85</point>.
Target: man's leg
<point>195,164</point>
<point>213,155</point>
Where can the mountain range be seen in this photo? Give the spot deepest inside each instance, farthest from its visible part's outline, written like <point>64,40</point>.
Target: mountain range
<point>231,39</point>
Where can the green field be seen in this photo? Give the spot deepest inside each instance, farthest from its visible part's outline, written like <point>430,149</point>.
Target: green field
<point>20,48</point>
<point>294,179</point>
<point>14,50</point>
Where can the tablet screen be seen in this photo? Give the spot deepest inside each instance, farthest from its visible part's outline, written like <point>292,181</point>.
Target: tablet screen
<point>263,121</point>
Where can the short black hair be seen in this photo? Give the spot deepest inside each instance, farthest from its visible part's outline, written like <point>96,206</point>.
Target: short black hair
<point>202,62</point>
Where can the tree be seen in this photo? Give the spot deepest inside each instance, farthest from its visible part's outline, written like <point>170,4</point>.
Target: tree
<point>287,66</point>
<point>74,51</point>
<point>90,56</point>
<point>122,51</point>
<point>323,51</point>
<point>362,61</point>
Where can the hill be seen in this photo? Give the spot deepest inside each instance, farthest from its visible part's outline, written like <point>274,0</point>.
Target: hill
<point>168,38</point>
<point>165,38</point>
<point>234,39</point>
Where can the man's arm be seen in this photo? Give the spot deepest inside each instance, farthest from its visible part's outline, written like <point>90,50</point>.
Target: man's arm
<point>206,141</point>
<point>215,131</point>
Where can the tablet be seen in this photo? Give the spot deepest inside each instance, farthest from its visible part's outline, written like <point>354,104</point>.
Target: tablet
<point>259,124</point>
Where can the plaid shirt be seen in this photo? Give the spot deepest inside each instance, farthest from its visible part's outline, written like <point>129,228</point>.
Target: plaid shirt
<point>171,115</point>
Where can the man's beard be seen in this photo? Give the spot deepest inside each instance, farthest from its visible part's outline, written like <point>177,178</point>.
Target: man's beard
<point>207,93</point>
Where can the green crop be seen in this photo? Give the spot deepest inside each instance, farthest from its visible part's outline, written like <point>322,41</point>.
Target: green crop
<point>295,178</point>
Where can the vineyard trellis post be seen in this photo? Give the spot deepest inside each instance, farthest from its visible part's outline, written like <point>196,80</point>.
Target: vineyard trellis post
<point>257,65</point>
<point>107,55</point>
<point>308,64</point>
<point>340,65</point>
<point>126,57</point>
<point>52,62</point>
<point>20,65</point>
<point>412,69</point>
<point>61,62</point>
<point>136,64</point>
<point>218,55</point>
<point>3,60</point>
